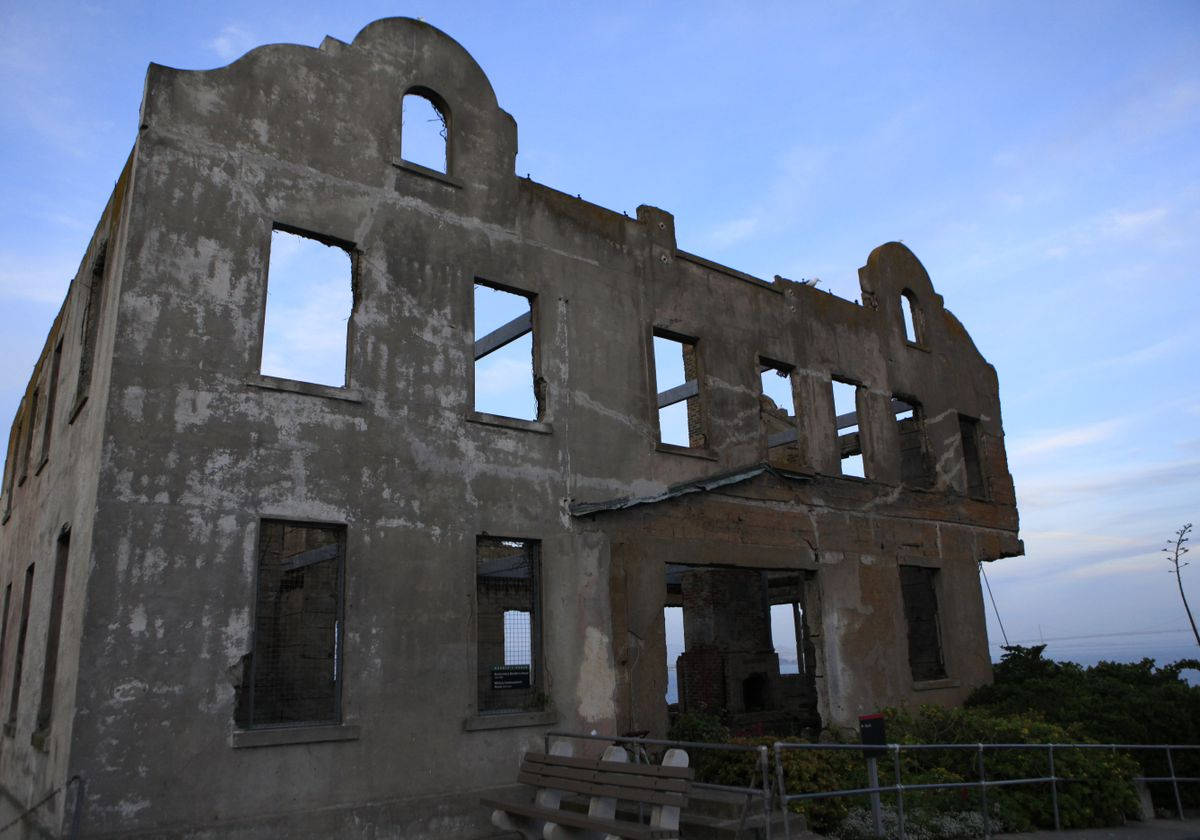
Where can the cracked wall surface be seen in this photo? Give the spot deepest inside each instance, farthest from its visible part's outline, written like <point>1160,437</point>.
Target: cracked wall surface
<point>183,449</point>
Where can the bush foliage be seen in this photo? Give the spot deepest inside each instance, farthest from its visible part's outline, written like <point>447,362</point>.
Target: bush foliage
<point>1033,701</point>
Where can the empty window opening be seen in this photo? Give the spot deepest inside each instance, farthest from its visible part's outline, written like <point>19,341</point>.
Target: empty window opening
<point>51,398</point>
<point>10,467</point>
<point>850,448</point>
<point>295,665</point>
<point>673,633</point>
<point>738,644</point>
<point>968,428</point>
<point>916,469</point>
<point>777,413</point>
<point>424,132</point>
<point>911,313</point>
<point>91,325</point>
<point>19,660</point>
<point>4,622</point>
<point>786,637</point>
<point>30,426</point>
<point>506,375</point>
<point>677,384</point>
<point>310,298</point>
<point>919,588</point>
<point>53,631</point>
<point>508,626</point>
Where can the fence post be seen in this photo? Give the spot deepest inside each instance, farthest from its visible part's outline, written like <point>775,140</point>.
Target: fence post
<point>1174,783</point>
<point>899,792</point>
<point>766,778</point>
<point>873,781</point>
<point>783,803</point>
<point>1054,790</point>
<point>983,803</point>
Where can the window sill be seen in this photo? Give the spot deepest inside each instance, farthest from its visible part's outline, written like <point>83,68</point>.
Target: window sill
<point>914,346</point>
<point>425,171</point>
<point>247,738</point>
<point>311,389</point>
<point>934,685</point>
<point>516,423</point>
<point>691,452</point>
<point>40,740</point>
<point>512,720</point>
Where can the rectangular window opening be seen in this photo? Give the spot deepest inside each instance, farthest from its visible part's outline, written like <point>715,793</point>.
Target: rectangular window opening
<point>53,633</point>
<point>777,413</point>
<point>673,633</point>
<point>968,428</point>
<point>309,303</point>
<point>916,469</point>
<point>919,589</point>
<point>677,384</point>
<point>508,626</point>
<point>30,426</point>
<point>14,701</point>
<point>506,372</point>
<point>845,407</point>
<point>4,623</point>
<point>51,399</point>
<point>786,637</point>
<point>91,324</point>
<point>294,670</point>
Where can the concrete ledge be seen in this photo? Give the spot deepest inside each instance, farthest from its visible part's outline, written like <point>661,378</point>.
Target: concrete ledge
<point>245,738</point>
<point>933,685</point>
<point>417,169</point>
<point>509,721</point>
<point>516,423</point>
<point>312,389</point>
<point>691,452</point>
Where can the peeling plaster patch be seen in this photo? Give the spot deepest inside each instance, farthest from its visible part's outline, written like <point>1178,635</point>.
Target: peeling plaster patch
<point>137,620</point>
<point>129,808</point>
<point>235,636</point>
<point>192,408</point>
<point>593,692</point>
<point>133,402</point>
<point>127,692</point>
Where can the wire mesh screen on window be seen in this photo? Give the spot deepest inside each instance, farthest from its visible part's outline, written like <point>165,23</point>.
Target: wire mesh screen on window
<point>507,625</point>
<point>293,671</point>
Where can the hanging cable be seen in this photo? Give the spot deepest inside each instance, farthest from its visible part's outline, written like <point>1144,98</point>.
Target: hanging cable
<point>994,608</point>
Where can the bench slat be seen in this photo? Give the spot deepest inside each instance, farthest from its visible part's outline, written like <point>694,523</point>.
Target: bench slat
<point>622,767</point>
<point>608,777</point>
<point>598,787</point>
<point>633,831</point>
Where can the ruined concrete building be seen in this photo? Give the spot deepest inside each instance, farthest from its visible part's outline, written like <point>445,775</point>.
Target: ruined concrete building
<point>241,604</point>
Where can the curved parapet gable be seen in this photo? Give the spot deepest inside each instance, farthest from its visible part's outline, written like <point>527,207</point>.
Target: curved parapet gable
<point>337,108</point>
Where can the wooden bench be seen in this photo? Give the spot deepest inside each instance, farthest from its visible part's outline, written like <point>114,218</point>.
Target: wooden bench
<point>607,780</point>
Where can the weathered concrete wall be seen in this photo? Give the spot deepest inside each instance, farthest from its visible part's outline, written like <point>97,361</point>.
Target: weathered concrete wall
<point>199,448</point>
<point>52,491</point>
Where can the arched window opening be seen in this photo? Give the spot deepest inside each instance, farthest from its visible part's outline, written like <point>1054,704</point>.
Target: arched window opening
<point>912,317</point>
<point>425,132</point>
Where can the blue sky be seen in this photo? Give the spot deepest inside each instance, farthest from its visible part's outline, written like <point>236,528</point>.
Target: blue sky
<point>1041,159</point>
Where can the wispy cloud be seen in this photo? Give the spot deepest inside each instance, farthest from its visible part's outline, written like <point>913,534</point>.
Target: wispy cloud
<point>1043,493</point>
<point>1048,442</point>
<point>232,42</point>
<point>732,232</point>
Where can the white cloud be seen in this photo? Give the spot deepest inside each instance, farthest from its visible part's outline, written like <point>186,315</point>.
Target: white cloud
<point>1043,443</point>
<point>232,42</point>
<point>732,232</point>
<point>1134,222</point>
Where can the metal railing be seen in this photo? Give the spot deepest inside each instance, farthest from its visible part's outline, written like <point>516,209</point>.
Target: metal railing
<point>762,769</point>
<point>898,788</point>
